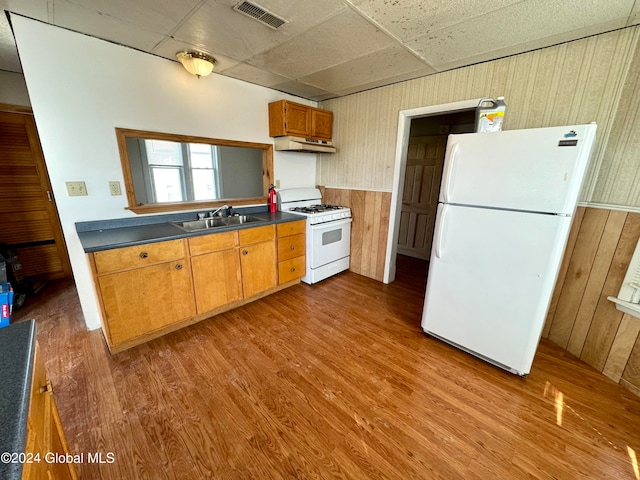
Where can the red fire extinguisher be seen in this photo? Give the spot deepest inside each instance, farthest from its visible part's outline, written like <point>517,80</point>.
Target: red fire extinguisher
<point>272,198</point>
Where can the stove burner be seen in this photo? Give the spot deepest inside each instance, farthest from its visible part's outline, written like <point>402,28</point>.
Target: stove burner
<point>316,208</point>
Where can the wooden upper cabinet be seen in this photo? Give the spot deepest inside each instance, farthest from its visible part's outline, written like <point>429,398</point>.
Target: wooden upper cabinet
<point>295,119</point>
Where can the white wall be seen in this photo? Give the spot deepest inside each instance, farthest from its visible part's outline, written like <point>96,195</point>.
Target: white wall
<point>13,89</point>
<point>81,88</point>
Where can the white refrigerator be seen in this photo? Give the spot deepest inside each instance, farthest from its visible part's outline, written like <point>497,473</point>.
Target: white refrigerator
<point>506,205</point>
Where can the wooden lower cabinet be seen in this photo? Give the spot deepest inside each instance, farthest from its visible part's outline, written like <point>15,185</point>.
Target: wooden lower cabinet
<point>291,251</point>
<point>258,262</point>
<point>258,259</point>
<point>148,290</point>
<point>45,437</point>
<point>145,299</point>
<point>215,265</point>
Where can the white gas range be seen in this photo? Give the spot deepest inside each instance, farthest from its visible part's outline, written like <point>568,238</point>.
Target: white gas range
<point>328,231</point>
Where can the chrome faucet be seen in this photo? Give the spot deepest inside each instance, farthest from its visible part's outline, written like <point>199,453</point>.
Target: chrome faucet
<point>213,214</point>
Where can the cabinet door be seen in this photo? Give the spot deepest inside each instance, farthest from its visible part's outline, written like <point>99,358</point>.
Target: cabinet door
<point>297,119</point>
<point>321,124</point>
<point>36,423</point>
<point>140,301</point>
<point>258,268</point>
<point>216,279</point>
<point>58,444</point>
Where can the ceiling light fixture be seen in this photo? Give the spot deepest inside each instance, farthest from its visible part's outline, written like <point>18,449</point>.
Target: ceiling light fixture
<point>196,63</point>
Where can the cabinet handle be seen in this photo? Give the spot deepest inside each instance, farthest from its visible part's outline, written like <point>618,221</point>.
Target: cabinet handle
<point>179,266</point>
<point>144,255</point>
<point>46,388</point>
<point>293,269</point>
<point>244,252</point>
<point>292,247</point>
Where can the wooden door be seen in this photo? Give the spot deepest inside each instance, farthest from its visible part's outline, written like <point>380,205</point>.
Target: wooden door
<point>28,216</point>
<point>425,158</point>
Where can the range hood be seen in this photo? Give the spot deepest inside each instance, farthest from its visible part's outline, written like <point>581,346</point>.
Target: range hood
<point>297,144</point>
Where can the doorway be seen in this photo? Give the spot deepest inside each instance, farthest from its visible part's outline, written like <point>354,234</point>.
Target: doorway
<point>420,151</point>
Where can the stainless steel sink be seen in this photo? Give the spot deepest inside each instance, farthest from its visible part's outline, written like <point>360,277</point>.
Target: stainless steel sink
<point>215,222</point>
<point>241,219</point>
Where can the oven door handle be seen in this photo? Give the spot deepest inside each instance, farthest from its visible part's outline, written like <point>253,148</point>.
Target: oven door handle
<point>331,224</point>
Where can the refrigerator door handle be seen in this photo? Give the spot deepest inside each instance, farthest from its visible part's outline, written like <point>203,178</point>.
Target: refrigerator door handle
<point>440,225</point>
<point>448,172</point>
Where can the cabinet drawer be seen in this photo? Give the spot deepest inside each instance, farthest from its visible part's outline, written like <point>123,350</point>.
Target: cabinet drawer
<point>291,269</point>
<point>256,234</point>
<point>213,243</point>
<point>291,228</point>
<point>290,247</point>
<point>138,256</point>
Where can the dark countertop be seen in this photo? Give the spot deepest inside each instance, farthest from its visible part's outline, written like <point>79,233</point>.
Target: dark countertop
<point>108,234</point>
<point>17,352</point>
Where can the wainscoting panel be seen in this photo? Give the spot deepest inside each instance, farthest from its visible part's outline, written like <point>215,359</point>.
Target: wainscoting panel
<point>370,213</point>
<point>581,319</point>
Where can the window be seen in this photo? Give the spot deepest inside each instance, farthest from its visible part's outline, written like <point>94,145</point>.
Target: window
<point>177,172</point>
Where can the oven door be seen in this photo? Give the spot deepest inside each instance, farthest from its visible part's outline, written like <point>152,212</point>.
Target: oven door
<point>328,242</point>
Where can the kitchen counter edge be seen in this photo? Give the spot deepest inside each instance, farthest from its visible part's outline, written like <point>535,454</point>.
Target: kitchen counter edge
<point>17,354</point>
<point>102,235</point>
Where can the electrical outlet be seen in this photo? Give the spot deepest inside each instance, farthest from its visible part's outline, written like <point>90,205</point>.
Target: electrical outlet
<point>278,184</point>
<point>76,189</point>
<point>114,188</point>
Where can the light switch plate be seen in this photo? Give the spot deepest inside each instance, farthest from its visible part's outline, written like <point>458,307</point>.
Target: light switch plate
<point>76,189</point>
<point>114,188</point>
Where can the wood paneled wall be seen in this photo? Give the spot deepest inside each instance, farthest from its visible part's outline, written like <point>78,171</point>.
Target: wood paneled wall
<point>593,79</point>
<point>581,319</point>
<point>370,213</point>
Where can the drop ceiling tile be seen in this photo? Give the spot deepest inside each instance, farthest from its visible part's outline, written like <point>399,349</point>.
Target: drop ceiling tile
<point>532,45</point>
<point>384,82</point>
<point>301,15</point>
<point>407,20</point>
<point>251,74</point>
<point>520,23</point>
<point>374,68</point>
<point>240,37</point>
<point>344,37</point>
<point>38,9</point>
<point>300,89</point>
<point>159,16</point>
<point>81,19</point>
<point>227,32</point>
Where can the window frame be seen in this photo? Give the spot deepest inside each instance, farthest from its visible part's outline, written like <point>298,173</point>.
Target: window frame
<point>123,133</point>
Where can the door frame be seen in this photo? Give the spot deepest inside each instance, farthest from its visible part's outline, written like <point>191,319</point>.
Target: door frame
<point>402,144</point>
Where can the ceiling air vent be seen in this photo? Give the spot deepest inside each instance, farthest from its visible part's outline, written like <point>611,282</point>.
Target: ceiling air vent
<point>260,14</point>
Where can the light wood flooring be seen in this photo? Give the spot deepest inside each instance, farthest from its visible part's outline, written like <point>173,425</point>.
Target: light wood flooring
<point>334,380</point>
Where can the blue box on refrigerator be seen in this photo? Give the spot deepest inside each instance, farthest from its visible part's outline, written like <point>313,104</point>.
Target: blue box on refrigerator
<point>6,304</point>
